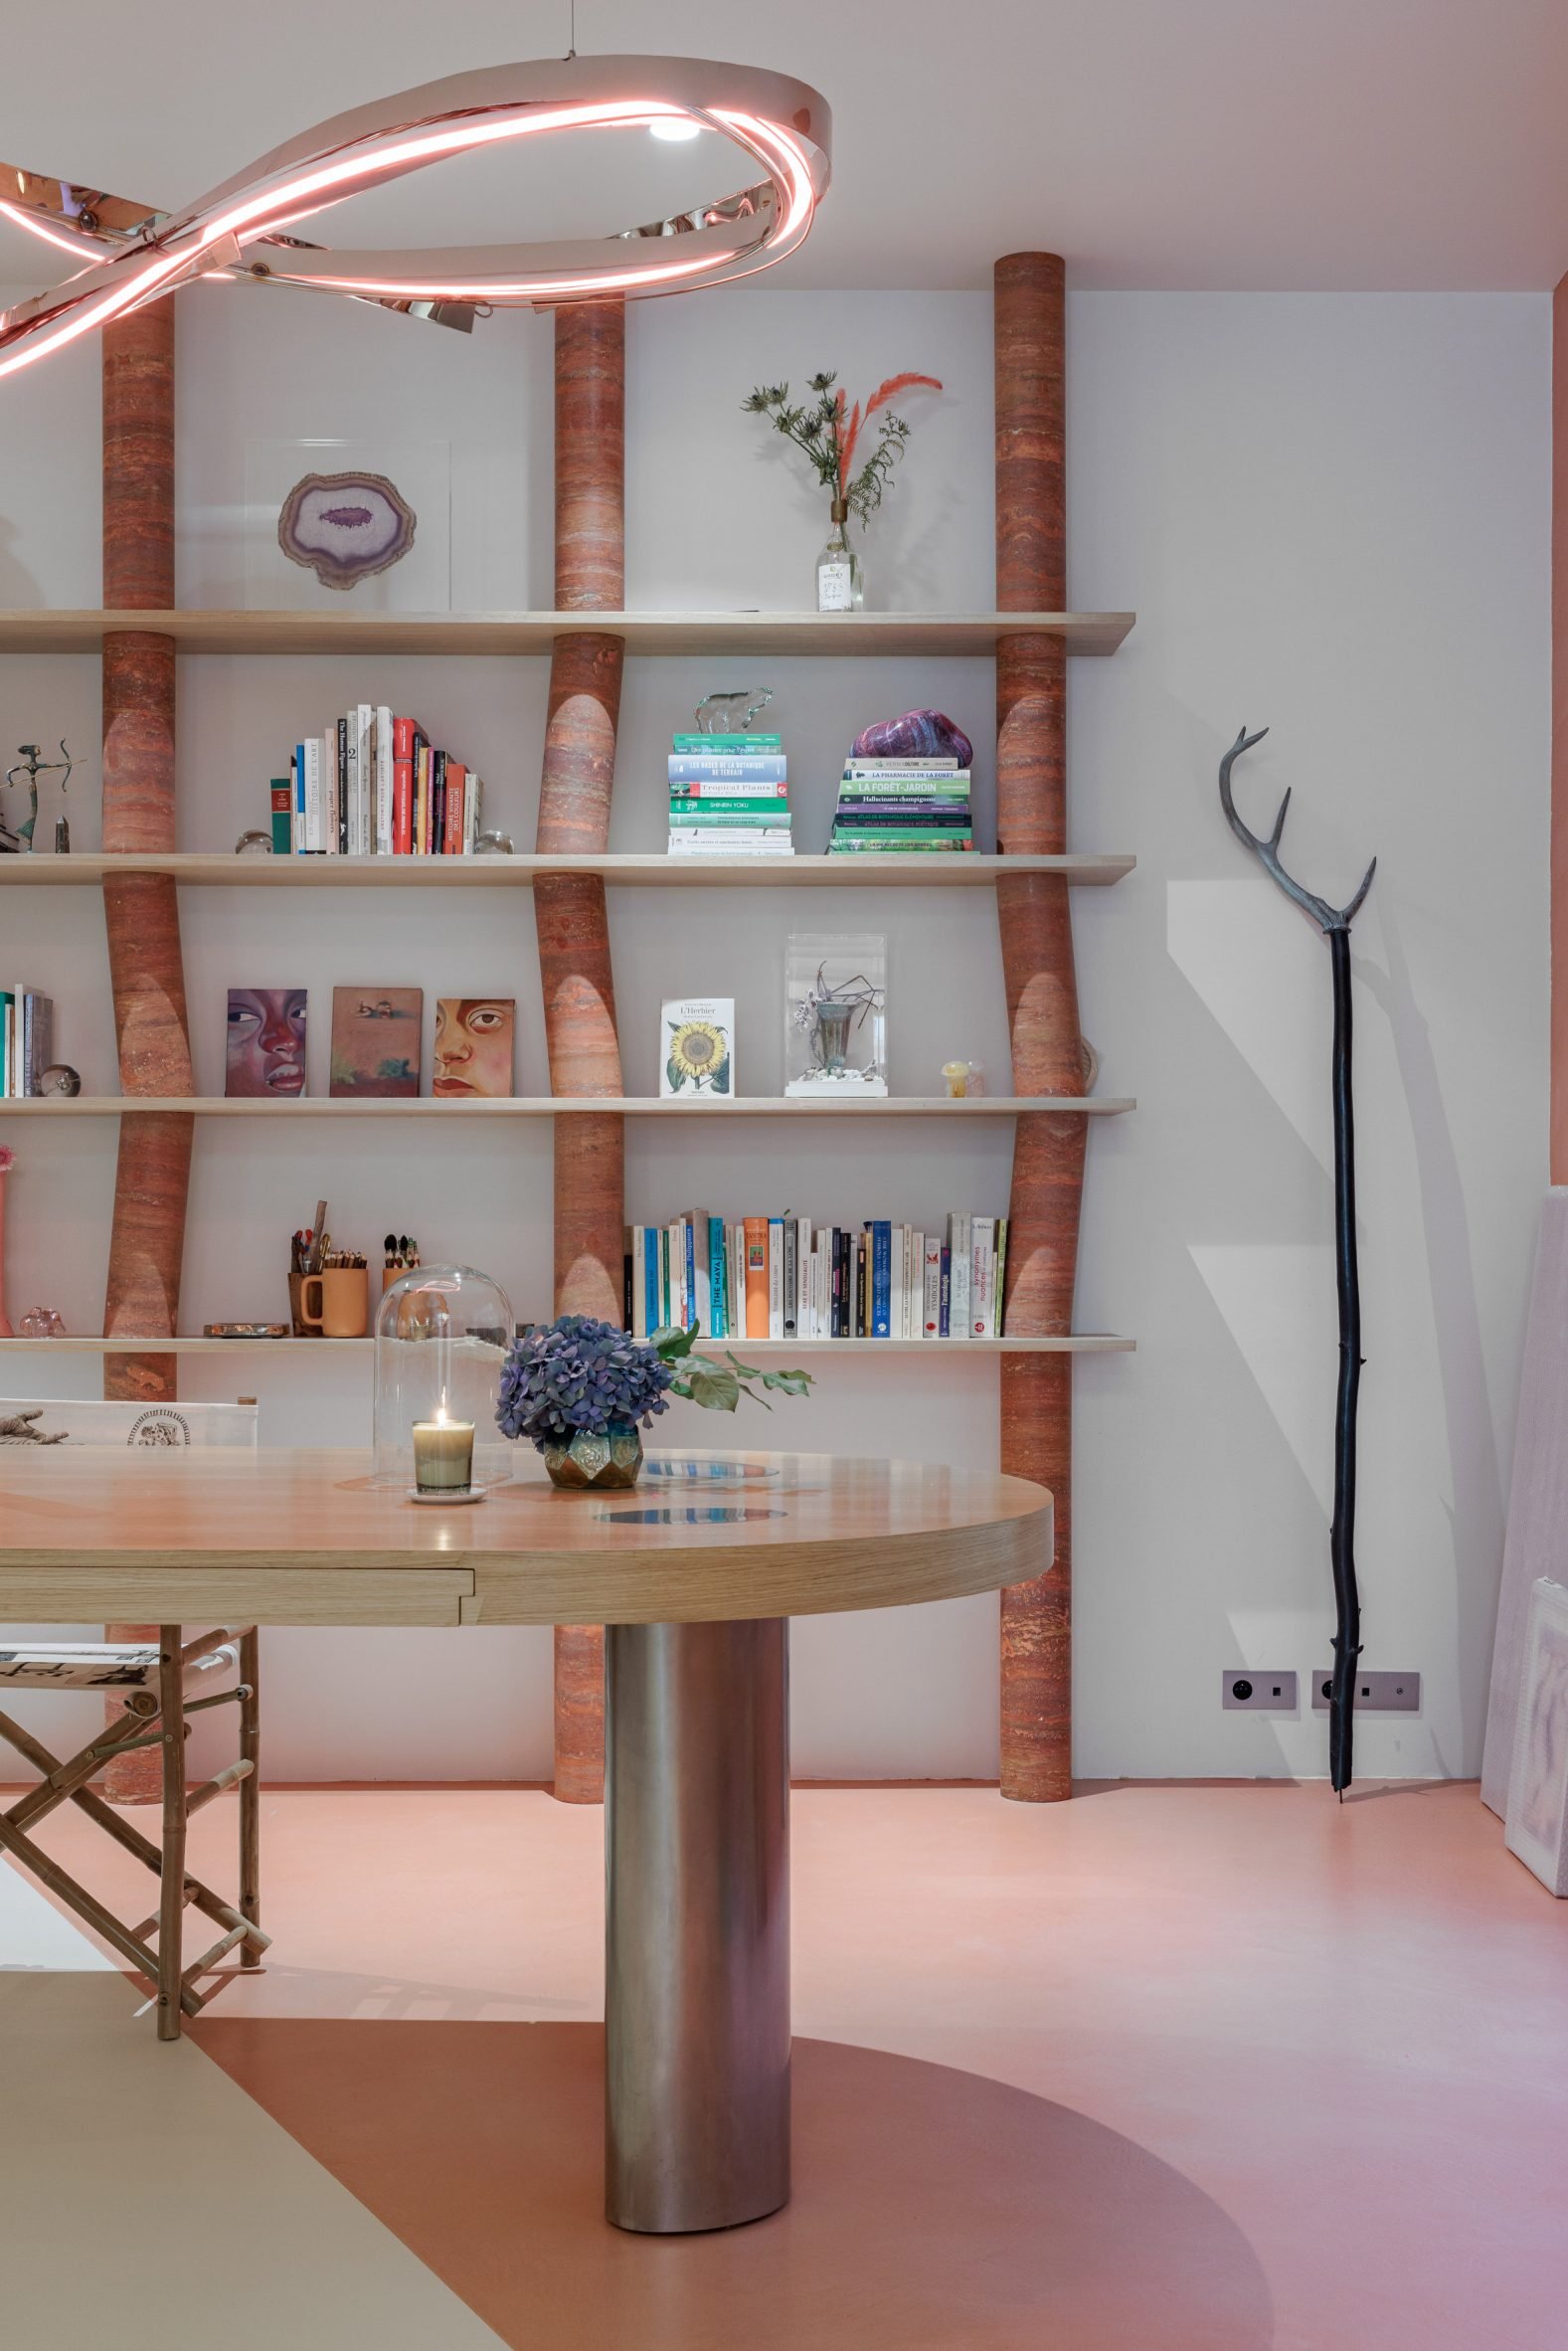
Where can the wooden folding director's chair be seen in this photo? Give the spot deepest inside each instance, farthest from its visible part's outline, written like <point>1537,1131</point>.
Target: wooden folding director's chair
<point>149,1680</point>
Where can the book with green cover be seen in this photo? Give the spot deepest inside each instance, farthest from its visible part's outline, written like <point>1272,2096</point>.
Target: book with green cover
<point>857,843</point>
<point>689,806</point>
<point>726,746</point>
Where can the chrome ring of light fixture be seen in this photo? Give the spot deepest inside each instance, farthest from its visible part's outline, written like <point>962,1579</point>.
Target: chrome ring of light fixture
<point>241,228</point>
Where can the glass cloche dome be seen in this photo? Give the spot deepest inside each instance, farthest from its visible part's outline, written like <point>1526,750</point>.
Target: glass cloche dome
<point>441,1336</point>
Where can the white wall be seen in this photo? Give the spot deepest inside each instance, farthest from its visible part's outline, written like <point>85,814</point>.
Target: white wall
<point>1329,513</point>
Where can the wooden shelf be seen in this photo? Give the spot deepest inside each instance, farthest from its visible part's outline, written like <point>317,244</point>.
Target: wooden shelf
<point>992,1106</point>
<point>1091,1343</point>
<point>634,869</point>
<point>773,634</point>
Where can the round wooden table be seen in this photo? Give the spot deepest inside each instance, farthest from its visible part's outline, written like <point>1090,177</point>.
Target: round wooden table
<point>694,1573</point>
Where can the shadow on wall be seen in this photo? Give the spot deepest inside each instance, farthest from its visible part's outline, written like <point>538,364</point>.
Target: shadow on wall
<point>931,2207</point>
<point>1477,1513</point>
<point>18,588</point>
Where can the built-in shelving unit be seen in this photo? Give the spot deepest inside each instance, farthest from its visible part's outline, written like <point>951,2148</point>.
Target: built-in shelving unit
<point>511,634</point>
<point>813,633</point>
<point>1080,1343</point>
<point>544,1106</point>
<point>638,869</point>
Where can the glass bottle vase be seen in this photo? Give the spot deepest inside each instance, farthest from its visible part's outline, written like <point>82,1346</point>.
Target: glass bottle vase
<point>840,583</point>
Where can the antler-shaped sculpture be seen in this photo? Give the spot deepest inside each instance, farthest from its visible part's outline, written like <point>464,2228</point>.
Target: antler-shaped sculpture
<point>1334,922</point>
<point>1267,852</point>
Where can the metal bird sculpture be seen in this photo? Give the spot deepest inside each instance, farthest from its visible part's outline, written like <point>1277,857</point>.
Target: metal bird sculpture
<point>1334,922</point>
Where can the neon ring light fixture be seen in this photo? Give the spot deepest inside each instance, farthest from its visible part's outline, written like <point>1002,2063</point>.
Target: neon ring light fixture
<point>135,253</point>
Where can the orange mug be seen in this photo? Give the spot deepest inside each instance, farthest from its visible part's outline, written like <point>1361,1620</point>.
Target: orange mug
<point>337,1302</point>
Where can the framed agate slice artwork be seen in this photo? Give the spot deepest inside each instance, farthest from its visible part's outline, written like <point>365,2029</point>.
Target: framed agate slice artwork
<point>362,523</point>
<point>346,527</point>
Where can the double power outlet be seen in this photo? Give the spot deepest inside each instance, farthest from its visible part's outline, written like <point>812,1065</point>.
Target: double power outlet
<point>1254,1690</point>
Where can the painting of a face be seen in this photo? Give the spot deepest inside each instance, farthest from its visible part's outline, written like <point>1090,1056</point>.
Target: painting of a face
<point>473,1046</point>
<point>267,1042</point>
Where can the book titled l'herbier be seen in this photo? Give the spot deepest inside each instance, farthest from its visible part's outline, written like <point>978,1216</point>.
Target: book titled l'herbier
<point>782,1277</point>
<point>729,796</point>
<point>373,785</point>
<point>888,806</point>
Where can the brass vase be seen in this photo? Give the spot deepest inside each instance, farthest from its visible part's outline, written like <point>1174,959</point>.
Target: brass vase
<point>595,1463</point>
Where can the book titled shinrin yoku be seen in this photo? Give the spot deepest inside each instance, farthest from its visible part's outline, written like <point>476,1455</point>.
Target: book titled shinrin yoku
<point>697,1046</point>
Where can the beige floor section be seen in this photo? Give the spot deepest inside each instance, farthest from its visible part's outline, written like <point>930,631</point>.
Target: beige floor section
<point>145,2199</point>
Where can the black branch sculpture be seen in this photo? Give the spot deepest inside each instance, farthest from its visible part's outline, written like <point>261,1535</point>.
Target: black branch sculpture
<point>1334,922</point>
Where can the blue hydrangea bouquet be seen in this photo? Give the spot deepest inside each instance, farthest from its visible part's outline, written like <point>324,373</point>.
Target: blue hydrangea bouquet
<point>581,1391</point>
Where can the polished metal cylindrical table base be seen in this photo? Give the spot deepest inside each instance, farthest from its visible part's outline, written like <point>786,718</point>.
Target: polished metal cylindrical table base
<point>697,1933</point>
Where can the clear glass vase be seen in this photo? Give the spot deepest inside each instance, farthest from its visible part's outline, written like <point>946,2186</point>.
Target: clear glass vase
<point>840,583</point>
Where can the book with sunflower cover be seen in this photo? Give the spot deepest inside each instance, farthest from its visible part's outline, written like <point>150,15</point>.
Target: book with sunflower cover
<point>697,1047</point>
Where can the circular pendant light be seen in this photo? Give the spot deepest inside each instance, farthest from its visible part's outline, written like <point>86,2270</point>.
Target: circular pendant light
<point>780,127</point>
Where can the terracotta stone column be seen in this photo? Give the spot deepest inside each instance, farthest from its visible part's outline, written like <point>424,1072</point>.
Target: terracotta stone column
<point>1035,919</point>
<point>141,911</point>
<point>1559,851</point>
<point>568,909</point>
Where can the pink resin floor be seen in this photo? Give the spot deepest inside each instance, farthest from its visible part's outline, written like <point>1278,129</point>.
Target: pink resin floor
<point>1168,2068</point>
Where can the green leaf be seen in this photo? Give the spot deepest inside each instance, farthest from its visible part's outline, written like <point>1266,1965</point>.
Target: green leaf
<point>672,1343</point>
<point>710,1385</point>
<point>791,1383</point>
<point>745,1371</point>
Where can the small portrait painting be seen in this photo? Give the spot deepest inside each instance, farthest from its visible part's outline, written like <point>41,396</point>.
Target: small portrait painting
<point>376,1043</point>
<point>473,1046</point>
<point>266,1051</point>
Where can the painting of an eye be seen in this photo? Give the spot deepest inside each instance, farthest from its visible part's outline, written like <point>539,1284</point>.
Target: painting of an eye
<point>345,527</point>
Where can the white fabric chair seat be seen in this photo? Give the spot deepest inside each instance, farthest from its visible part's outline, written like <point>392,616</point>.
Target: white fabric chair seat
<point>98,1665</point>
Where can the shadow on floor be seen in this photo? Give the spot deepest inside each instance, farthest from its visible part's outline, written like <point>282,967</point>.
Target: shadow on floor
<point>933,2210</point>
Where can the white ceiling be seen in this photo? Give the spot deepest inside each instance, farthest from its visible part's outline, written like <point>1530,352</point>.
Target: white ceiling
<point>1158,143</point>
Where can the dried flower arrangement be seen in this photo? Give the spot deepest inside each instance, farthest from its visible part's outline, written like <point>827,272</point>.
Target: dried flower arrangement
<point>830,435</point>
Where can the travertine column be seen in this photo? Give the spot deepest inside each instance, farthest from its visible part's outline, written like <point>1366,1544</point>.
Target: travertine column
<point>141,911</point>
<point>1035,920</point>
<point>574,930</point>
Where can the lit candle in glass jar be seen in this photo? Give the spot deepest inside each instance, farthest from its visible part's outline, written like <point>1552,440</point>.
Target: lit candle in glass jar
<point>442,1454</point>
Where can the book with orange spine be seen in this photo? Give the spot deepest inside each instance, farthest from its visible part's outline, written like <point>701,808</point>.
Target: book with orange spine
<point>756,1277</point>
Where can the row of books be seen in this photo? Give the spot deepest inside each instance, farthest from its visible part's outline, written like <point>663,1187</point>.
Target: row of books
<point>375,786</point>
<point>782,1277</point>
<point>902,805</point>
<point>27,1022</point>
<point>729,796</point>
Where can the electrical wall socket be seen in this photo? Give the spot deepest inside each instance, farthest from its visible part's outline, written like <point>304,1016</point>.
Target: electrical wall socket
<point>1253,1690</point>
<point>1375,1694</point>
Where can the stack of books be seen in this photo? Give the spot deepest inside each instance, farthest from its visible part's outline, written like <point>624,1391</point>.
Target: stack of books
<point>374,786</point>
<point>902,803</point>
<point>27,1022</point>
<point>781,1277</point>
<point>729,796</point>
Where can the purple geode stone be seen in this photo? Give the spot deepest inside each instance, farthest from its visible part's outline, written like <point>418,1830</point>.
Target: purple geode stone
<point>919,734</point>
<point>345,527</point>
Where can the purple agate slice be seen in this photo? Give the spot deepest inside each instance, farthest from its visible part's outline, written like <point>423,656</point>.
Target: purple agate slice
<point>919,734</point>
<point>345,527</point>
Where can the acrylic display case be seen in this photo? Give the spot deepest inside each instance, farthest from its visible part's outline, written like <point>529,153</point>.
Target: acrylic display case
<point>836,1015</point>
